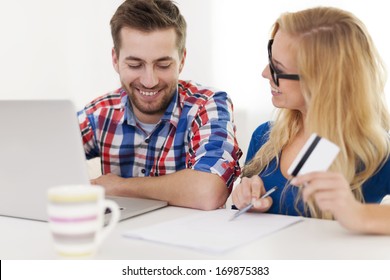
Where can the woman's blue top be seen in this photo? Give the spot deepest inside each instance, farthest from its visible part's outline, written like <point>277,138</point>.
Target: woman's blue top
<point>374,189</point>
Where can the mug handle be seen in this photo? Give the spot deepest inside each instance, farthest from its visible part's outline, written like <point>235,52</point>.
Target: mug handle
<point>114,219</point>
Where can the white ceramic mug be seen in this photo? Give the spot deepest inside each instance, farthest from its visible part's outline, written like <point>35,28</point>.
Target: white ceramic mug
<point>76,218</point>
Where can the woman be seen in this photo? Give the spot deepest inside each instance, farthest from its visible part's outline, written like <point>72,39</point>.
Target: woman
<point>326,77</point>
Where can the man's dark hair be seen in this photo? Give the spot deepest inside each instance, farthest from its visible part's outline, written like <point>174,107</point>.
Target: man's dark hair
<point>148,15</point>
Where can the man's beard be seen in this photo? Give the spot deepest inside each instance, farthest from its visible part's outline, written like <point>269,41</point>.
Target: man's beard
<point>150,108</point>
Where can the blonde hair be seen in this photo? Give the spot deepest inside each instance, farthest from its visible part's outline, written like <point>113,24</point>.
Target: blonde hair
<point>342,80</point>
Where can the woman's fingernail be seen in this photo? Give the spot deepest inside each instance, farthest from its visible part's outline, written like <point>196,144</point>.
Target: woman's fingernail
<point>258,204</point>
<point>293,181</point>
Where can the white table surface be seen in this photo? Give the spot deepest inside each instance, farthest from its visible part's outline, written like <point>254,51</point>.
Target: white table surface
<point>309,239</point>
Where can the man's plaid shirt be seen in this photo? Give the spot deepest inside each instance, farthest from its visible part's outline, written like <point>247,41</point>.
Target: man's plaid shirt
<point>196,132</point>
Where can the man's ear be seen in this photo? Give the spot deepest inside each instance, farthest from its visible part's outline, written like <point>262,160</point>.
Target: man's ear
<point>183,59</point>
<point>115,60</point>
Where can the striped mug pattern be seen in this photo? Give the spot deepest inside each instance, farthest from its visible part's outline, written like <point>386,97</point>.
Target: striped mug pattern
<point>76,218</point>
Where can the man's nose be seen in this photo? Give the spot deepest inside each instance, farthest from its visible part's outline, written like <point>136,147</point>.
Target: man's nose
<point>149,78</point>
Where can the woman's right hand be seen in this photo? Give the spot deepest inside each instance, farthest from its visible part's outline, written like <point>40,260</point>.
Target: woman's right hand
<point>250,190</point>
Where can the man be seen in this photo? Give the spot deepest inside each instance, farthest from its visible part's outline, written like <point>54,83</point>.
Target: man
<point>159,137</point>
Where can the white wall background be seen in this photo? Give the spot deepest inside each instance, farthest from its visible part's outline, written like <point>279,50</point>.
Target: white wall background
<point>62,48</point>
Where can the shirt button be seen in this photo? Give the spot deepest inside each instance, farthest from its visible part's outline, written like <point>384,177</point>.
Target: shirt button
<point>143,171</point>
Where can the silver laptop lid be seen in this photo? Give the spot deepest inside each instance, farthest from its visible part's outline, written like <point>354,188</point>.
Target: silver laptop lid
<point>40,147</point>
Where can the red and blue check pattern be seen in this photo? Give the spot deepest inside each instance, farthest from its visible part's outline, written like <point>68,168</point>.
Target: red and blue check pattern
<point>196,131</point>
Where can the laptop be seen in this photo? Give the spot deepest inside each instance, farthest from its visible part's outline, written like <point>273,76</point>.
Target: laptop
<point>41,147</point>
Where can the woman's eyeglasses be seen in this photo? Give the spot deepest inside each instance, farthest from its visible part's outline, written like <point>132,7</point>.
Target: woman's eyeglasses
<point>274,73</point>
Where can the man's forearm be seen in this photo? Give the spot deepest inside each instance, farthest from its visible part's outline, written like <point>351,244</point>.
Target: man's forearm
<point>187,188</point>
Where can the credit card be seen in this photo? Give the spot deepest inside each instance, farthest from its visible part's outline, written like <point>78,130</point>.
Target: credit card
<point>317,154</point>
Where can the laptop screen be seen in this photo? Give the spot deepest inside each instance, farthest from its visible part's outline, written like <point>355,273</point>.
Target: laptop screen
<point>40,147</point>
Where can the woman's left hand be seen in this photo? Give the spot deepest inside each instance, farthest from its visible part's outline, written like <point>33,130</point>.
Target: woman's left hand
<point>331,192</point>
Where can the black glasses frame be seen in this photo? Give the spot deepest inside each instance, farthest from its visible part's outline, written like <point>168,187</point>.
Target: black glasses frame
<point>274,73</point>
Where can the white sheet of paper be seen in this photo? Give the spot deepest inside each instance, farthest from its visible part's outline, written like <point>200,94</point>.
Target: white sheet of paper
<point>211,231</point>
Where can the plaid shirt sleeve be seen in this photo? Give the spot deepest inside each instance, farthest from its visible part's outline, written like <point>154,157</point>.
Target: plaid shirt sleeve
<point>98,109</point>
<point>213,144</point>
<point>89,142</point>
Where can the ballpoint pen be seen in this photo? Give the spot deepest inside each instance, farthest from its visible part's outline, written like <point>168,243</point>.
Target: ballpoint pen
<point>246,208</point>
